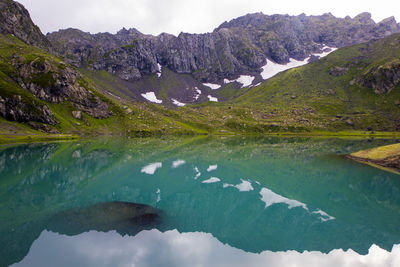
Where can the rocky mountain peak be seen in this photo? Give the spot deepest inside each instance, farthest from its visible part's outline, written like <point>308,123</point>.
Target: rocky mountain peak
<point>237,47</point>
<point>15,19</point>
<point>364,17</point>
<point>390,24</point>
<point>129,32</point>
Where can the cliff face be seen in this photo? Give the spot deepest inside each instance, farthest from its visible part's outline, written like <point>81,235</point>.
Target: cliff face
<point>31,79</point>
<point>15,19</point>
<point>381,79</point>
<point>240,46</point>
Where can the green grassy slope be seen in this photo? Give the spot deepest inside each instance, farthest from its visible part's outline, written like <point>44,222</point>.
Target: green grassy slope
<point>312,97</point>
<point>141,119</point>
<point>305,100</point>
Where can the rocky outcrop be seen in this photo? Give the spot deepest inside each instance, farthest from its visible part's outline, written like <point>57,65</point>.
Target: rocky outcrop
<point>381,79</point>
<point>55,83</point>
<point>338,71</point>
<point>240,46</point>
<point>47,78</point>
<point>15,19</point>
<point>16,108</point>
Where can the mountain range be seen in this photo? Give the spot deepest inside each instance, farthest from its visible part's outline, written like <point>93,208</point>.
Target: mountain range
<point>240,78</point>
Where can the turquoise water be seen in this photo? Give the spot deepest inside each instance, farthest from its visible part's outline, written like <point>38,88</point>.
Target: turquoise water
<point>219,202</point>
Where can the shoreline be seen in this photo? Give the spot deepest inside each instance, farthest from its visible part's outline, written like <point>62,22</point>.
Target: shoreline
<point>8,139</point>
<point>15,138</point>
<point>384,157</point>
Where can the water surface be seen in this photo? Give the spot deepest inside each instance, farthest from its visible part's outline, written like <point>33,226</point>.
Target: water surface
<point>218,202</point>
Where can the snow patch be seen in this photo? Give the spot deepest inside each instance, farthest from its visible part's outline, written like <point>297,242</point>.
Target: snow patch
<point>271,68</point>
<point>151,168</point>
<point>245,80</point>
<point>324,54</point>
<point>212,168</point>
<point>198,93</point>
<point>151,96</point>
<point>211,180</point>
<point>177,103</point>
<point>212,86</point>
<point>178,163</point>
<point>228,81</point>
<point>212,99</point>
<point>159,70</point>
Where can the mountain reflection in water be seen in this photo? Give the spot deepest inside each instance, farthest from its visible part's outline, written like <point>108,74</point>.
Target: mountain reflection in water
<point>266,195</point>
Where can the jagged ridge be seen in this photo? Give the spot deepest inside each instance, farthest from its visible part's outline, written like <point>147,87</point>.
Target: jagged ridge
<point>240,46</point>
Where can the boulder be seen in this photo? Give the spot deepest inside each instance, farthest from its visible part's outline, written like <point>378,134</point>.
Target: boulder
<point>77,114</point>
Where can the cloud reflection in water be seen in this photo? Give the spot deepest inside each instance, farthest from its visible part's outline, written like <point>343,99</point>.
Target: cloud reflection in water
<point>171,248</point>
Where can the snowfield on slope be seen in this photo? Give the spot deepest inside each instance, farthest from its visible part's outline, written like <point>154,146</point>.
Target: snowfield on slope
<point>151,96</point>
<point>271,68</point>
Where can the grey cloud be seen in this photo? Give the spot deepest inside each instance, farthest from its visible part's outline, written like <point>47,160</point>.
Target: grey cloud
<point>174,16</point>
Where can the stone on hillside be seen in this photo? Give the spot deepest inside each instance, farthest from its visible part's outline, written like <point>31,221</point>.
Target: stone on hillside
<point>330,92</point>
<point>382,79</point>
<point>349,122</point>
<point>77,114</point>
<point>338,71</point>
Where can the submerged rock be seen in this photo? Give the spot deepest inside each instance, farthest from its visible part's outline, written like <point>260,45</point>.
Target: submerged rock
<point>124,217</point>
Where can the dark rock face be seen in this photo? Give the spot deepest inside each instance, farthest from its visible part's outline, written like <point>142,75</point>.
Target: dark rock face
<point>338,71</point>
<point>46,78</point>
<point>382,79</point>
<point>57,83</point>
<point>240,46</point>
<point>15,19</point>
<point>16,109</point>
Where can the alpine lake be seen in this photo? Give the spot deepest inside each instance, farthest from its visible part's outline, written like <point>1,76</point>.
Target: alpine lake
<point>202,201</point>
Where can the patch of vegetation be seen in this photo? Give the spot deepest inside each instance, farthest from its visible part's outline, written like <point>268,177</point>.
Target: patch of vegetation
<point>44,80</point>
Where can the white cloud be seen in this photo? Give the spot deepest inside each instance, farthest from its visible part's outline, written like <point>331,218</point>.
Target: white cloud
<point>174,16</point>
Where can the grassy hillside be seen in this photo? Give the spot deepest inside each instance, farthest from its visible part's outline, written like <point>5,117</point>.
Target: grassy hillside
<point>331,93</point>
<point>129,117</point>
<point>316,99</point>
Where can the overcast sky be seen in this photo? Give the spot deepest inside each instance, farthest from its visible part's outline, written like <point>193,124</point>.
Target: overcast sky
<point>175,16</point>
